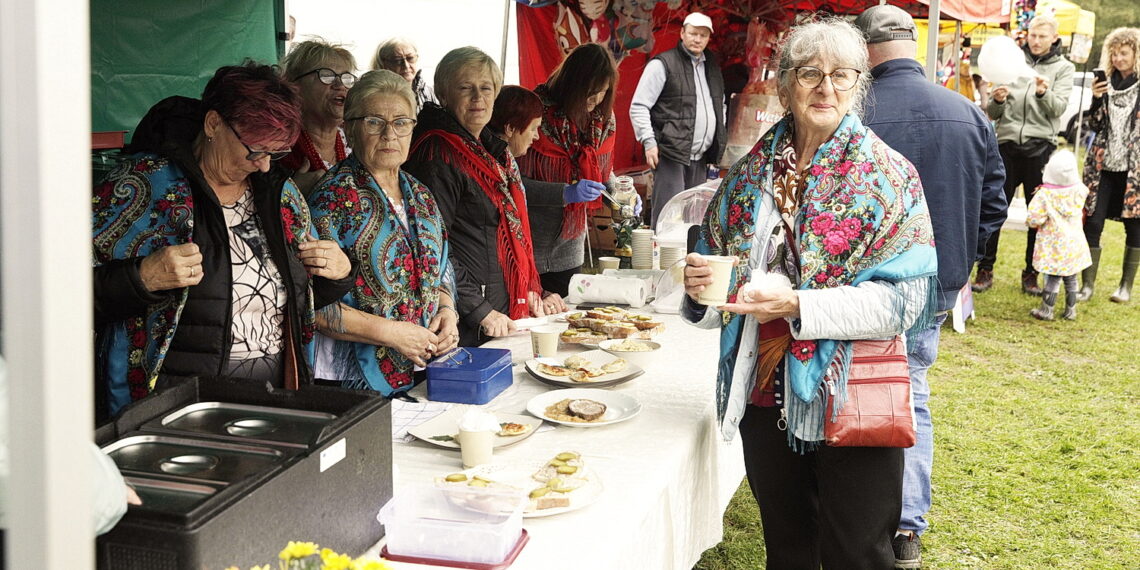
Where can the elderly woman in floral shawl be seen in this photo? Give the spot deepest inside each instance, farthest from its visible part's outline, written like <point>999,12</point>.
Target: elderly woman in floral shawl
<point>824,207</point>
<point>400,312</point>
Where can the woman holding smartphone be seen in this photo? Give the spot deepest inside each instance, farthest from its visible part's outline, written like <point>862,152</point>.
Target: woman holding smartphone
<point>1112,165</point>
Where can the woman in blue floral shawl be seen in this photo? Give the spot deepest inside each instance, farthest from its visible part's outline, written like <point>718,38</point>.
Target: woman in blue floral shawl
<point>205,261</point>
<point>833,243</point>
<point>400,313</point>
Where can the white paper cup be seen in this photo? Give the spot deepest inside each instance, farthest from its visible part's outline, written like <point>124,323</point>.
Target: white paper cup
<point>609,263</point>
<point>544,340</point>
<point>476,446</point>
<point>716,293</point>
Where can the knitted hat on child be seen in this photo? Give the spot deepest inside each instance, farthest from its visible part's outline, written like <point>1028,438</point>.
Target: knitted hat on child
<point>1061,169</point>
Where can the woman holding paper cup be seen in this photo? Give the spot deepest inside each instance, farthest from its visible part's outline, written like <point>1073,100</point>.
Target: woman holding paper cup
<point>1112,165</point>
<point>475,181</point>
<point>400,312</point>
<point>574,157</point>
<point>825,238</point>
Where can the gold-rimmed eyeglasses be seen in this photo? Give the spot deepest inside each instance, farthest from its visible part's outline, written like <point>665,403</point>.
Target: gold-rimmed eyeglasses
<point>398,61</point>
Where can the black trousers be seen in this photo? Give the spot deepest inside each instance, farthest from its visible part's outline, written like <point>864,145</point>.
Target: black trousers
<point>1024,171</point>
<point>559,281</point>
<point>836,506</point>
<point>1109,204</point>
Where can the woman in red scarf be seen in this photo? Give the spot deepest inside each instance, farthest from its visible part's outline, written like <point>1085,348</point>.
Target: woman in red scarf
<point>477,186</point>
<point>574,149</point>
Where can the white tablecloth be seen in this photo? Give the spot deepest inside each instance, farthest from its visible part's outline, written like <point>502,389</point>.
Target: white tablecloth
<point>667,474</point>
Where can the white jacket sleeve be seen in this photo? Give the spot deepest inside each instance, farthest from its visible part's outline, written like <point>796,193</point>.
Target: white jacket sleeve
<point>108,491</point>
<point>872,309</point>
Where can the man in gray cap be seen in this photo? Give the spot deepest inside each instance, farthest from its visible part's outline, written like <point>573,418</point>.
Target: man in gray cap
<point>678,112</point>
<point>953,147</point>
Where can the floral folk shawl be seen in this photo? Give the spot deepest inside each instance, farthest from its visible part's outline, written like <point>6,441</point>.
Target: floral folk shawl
<point>401,269</point>
<point>146,204</point>
<point>862,216</point>
<point>502,184</point>
<point>564,153</point>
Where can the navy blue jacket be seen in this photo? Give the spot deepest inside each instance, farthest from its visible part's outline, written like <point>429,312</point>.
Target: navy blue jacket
<point>952,145</point>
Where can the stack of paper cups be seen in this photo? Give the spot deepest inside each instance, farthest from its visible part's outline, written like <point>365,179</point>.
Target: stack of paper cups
<point>670,255</point>
<point>642,249</point>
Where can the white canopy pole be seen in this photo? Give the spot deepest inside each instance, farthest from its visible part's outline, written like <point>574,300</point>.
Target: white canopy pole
<point>506,32</point>
<point>45,220</point>
<point>933,27</point>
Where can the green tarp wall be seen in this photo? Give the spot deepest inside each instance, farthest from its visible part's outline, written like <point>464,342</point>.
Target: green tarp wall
<point>143,51</point>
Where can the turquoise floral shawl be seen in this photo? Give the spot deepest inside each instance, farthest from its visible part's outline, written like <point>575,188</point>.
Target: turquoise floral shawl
<point>862,216</point>
<point>401,268</point>
<point>145,204</point>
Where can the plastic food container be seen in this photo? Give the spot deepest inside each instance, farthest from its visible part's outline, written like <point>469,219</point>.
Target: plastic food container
<point>467,524</point>
<point>469,375</point>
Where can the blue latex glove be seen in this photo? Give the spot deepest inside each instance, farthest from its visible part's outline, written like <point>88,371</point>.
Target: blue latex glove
<point>582,191</point>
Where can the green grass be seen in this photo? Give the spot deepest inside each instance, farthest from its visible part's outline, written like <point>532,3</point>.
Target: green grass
<point>1037,436</point>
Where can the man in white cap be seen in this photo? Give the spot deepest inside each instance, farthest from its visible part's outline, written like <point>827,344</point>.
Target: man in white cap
<point>678,112</point>
<point>954,149</point>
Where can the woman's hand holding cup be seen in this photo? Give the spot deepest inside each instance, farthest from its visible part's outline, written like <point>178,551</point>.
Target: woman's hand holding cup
<point>698,275</point>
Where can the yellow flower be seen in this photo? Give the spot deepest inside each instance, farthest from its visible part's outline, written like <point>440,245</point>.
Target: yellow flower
<point>362,564</point>
<point>334,561</point>
<point>298,550</point>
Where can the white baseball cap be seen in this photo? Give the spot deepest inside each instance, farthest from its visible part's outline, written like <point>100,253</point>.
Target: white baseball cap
<point>699,20</point>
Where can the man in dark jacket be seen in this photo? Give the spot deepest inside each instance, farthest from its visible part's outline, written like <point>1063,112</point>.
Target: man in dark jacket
<point>678,112</point>
<point>953,147</point>
<point>1027,114</point>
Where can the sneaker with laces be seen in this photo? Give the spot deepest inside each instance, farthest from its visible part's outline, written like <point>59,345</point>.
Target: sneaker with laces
<point>908,551</point>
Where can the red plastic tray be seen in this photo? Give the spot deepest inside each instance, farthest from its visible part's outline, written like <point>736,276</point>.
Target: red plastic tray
<point>510,559</point>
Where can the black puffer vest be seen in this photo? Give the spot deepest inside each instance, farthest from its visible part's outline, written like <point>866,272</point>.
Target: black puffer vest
<point>674,115</point>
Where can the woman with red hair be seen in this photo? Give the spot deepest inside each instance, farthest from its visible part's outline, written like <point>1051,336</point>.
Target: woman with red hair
<point>206,263</point>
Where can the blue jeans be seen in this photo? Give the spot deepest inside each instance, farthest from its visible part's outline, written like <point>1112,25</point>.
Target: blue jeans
<point>918,460</point>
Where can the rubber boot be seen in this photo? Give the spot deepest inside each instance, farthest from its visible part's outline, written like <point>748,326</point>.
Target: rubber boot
<point>1088,276</point>
<point>1128,275</point>
<point>1045,311</point>
<point>1029,282</point>
<point>1070,313</point>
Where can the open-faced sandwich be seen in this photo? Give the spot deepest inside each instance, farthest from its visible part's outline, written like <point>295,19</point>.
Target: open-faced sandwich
<point>560,477</point>
<point>510,429</point>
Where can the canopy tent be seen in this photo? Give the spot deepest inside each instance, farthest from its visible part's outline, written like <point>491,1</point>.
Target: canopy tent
<point>1071,19</point>
<point>139,54</point>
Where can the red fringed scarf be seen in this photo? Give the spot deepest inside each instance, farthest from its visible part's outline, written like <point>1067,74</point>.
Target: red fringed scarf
<point>564,153</point>
<point>304,149</point>
<point>504,188</point>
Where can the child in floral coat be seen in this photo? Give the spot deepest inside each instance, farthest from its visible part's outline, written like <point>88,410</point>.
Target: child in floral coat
<point>1061,250</point>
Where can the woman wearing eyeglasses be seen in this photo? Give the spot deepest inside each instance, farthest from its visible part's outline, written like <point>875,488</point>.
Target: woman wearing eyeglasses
<point>324,73</point>
<point>400,313</point>
<point>825,207</point>
<point>401,57</point>
<point>476,183</point>
<point>206,263</point>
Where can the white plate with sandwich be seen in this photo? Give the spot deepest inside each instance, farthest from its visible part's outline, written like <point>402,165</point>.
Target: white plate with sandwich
<point>442,429</point>
<point>583,407</point>
<point>593,368</point>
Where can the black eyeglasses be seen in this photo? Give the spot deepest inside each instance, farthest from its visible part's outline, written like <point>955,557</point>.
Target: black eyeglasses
<point>256,155</point>
<point>375,125</point>
<point>842,78</point>
<point>328,76</point>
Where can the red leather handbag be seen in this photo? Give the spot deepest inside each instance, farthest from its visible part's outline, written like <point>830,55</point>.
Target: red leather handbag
<point>879,411</point>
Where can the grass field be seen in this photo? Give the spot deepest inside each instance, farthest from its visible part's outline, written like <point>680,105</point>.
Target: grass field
<point>1037,436</point>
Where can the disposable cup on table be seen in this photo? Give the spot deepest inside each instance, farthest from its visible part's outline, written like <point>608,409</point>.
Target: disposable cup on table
<point>544,340</point>
<point>716,293</point>
<point>609,262</point>
<point>475,447</point>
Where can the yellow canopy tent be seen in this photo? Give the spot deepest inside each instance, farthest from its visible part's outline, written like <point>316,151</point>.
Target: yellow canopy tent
<point>1071,19</point>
